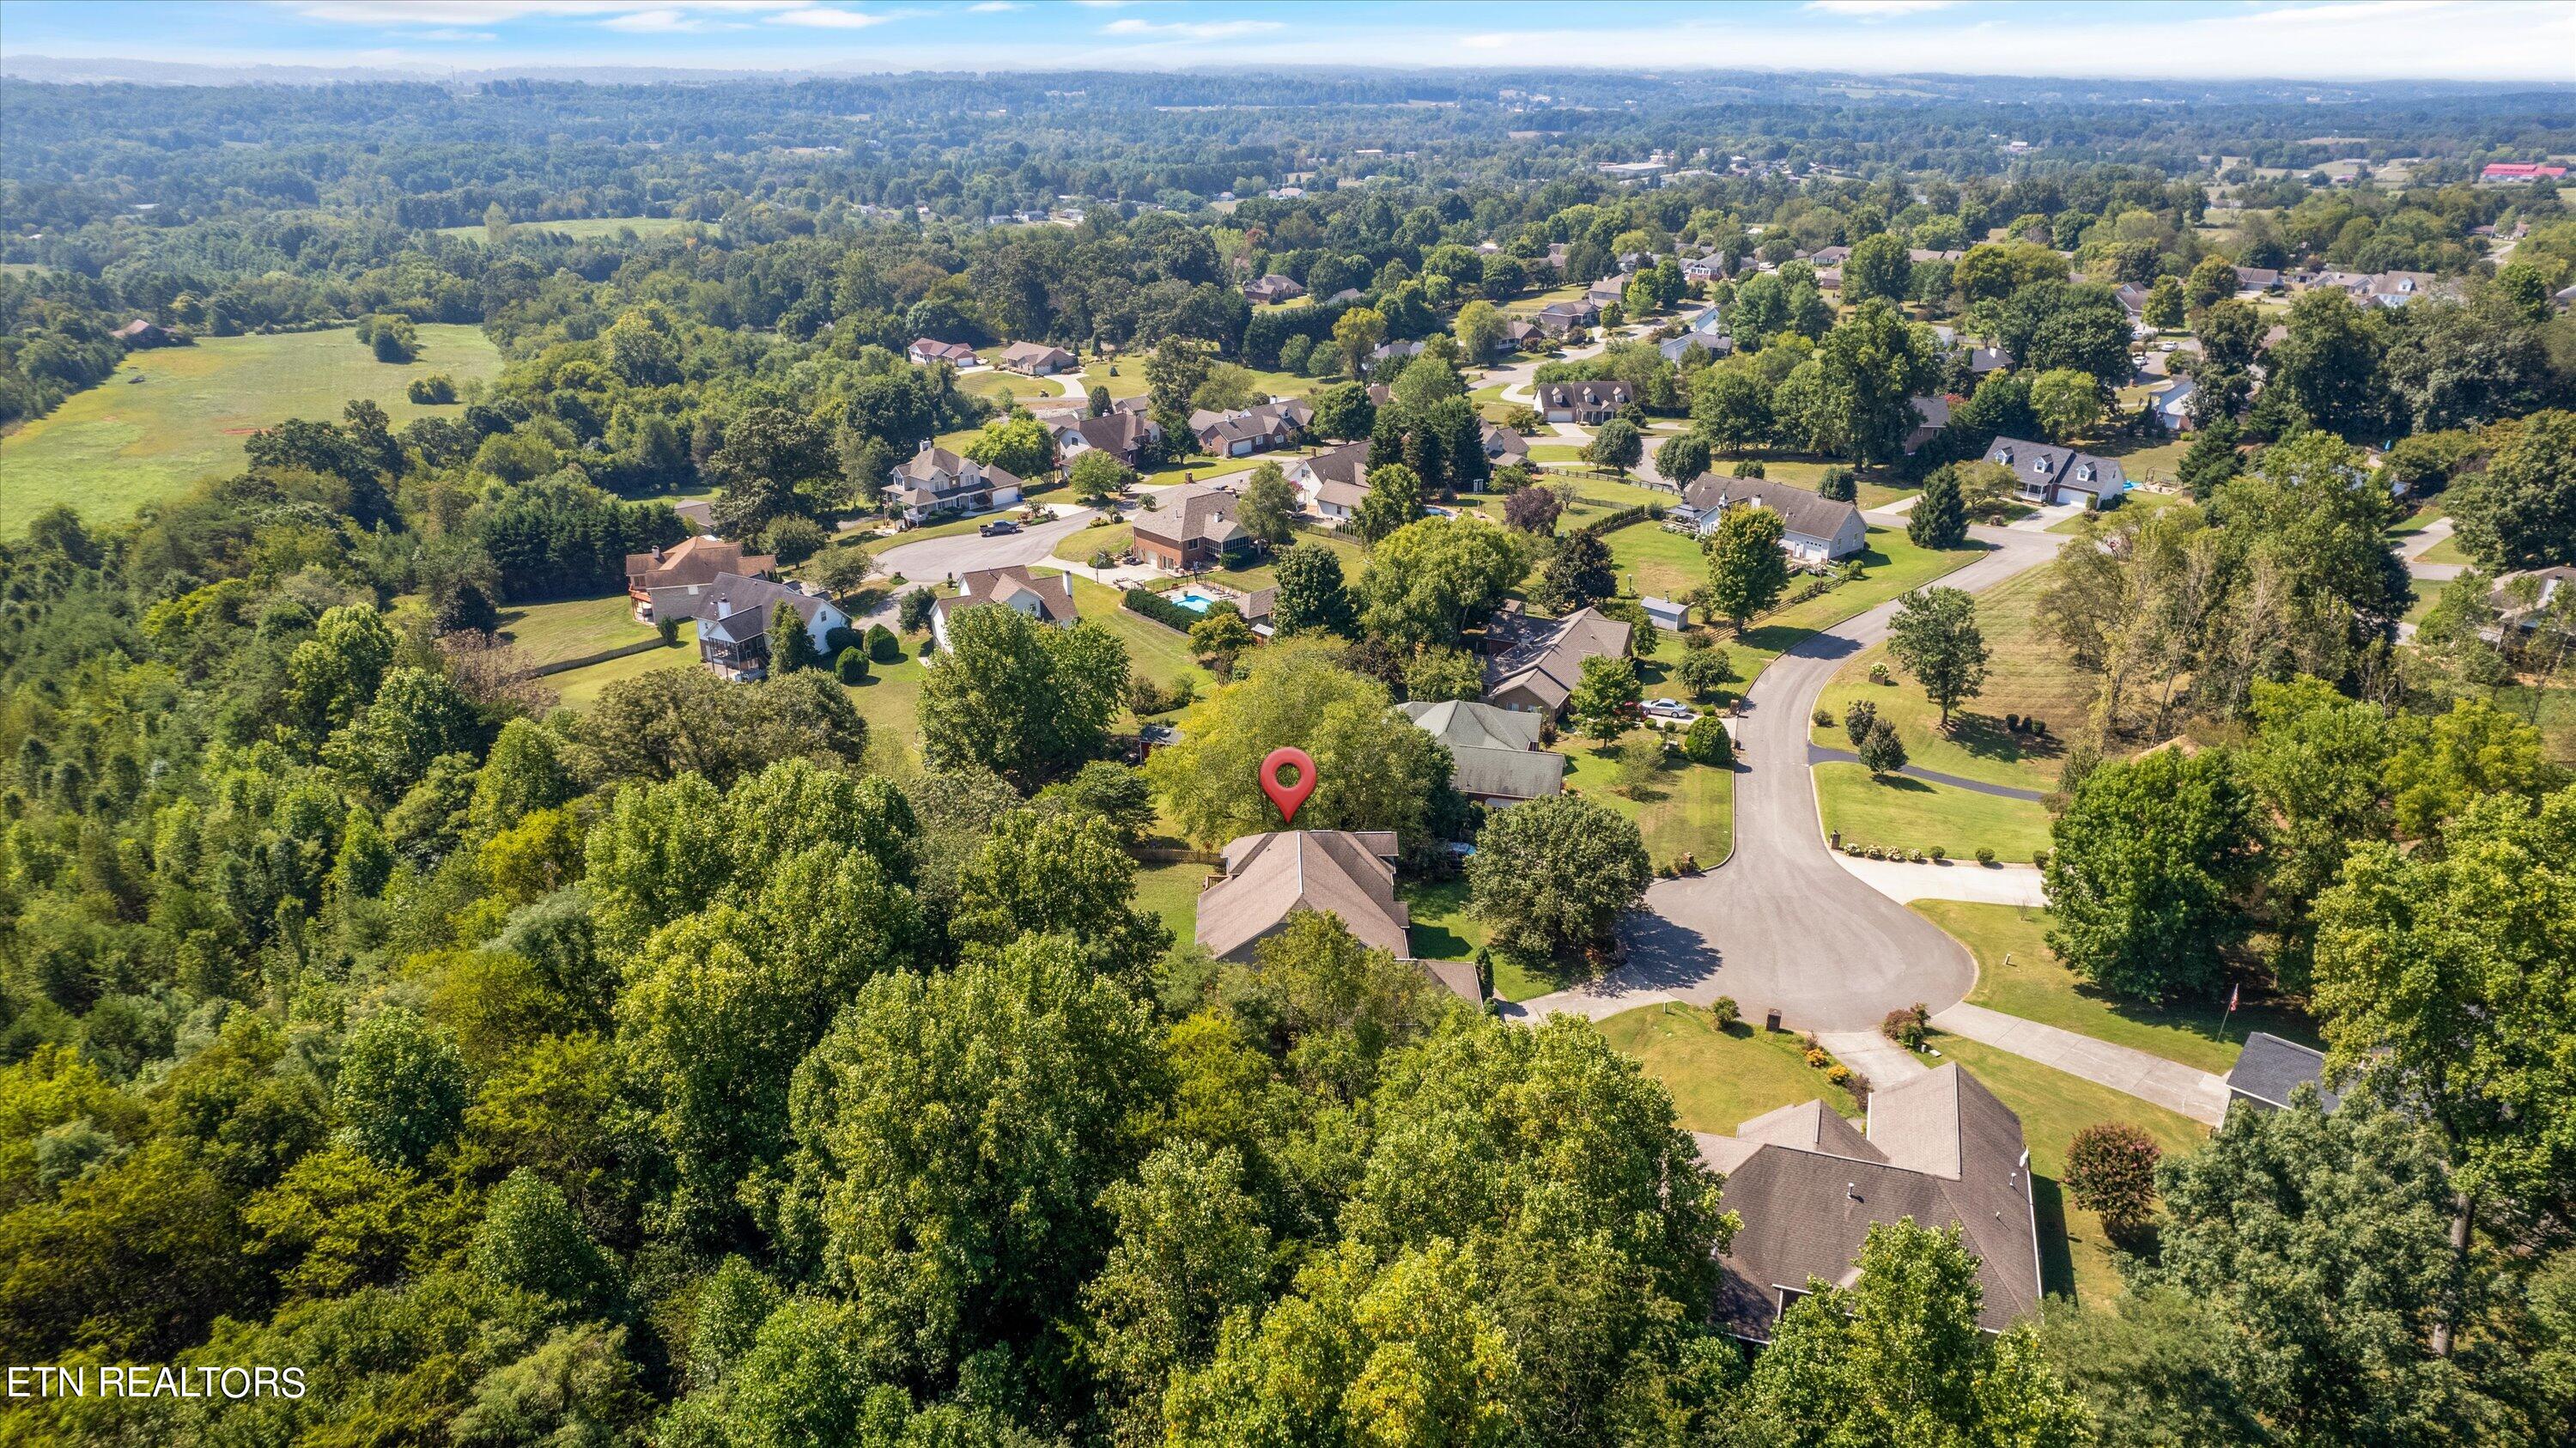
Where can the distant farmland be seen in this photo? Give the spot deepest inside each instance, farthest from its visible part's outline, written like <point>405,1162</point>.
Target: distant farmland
<point>173,415</point>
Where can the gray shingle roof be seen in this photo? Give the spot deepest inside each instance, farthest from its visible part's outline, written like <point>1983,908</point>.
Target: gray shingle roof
<point>1347,874</point>
<point>1494,752</point>
<point>2269,1069</point>
<point>1543,657</point>
<point>1939,1149</point>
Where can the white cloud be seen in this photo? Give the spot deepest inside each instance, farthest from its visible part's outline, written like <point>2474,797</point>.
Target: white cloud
<point>617,14</point>
<point>456,35</point>
<point>823,17</point>
<point>995,7</point>
<point>1192,29</point>
<point>653,22</point>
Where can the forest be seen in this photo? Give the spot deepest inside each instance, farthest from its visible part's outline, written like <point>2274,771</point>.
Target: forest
<point>726,1064</point>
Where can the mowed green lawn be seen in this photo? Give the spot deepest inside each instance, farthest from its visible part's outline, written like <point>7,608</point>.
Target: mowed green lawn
<point>2019,975</point>
<point>2027,673</point>
<point>1683,808</point>
<point>1720,1079</point>
<point>549,633</point>
<point>1669,565</point>
<point>2074,1254</point>
<point>1899,812</point>
<point>1172,892</point>
<point>173,415</point>
<point>580,688</point>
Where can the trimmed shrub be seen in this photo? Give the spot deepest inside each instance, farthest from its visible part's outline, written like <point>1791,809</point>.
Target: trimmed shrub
<point>2111,1172</point>
<point>1708,742</point>
<point>1985,854</point>
<point>883,646</point>
<point>2039,858</point>
<point>851,663</point>
<point>1824,717</point>
<point>1839,1074</point>
<point>1938,853</point>
<point>1723,1011</point>
<point>1907,1026</point>
<point>844,637</point>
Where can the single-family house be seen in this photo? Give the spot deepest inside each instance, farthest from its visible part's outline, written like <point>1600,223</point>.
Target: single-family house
<point>1191,528</point>
<point>1583,402</point>
<point>2173,404</point>
<point>1829,279</point>
<point>1502,445</point>
<point>733,619</point>
<point>1390,357</point>
<point>1558,318</point>
<point>1931,414</point>
<point>1273,288</point>
<point>1519,333</point>
<point>1331,484</point>
<point>1534,663</point>
<point>955,354</point>
<point>1347,874</point>
<point>1709,268</point>
<point>1346,294</point>
<point>1125,434</point>
<point>2528,599</point>
<point>1808,1185</point>
<point>1494,753</point>
<point>2269,1069</point>
<point>2133,300</point>
<point>1825,256</point>
<point>1715,343</point>
<point>2256,280</point>
<point>692,560</point>
<point>1814,530</point>
<point>2046,474</point>
<point>1048,600</point>
<point>1250,430</point>
<point>1982,360</point>
<point>1607,292</point>
<point>141,332</point>
<point>1036,359</point>
<point>935,480</point>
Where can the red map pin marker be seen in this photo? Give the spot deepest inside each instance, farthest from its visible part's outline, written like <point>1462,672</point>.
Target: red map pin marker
<point>1287,796</point>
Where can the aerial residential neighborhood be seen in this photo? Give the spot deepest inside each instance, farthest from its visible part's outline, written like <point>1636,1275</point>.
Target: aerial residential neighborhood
<point>1214,723</point>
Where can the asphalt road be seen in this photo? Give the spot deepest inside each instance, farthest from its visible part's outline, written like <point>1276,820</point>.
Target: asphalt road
<point>935,560</point>
<point>1780,925</point>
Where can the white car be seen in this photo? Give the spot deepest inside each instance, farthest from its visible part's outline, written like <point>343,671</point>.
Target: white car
<point>1667,709</point>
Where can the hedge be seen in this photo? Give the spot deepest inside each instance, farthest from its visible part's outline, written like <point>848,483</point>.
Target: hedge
<point>1160,609</point>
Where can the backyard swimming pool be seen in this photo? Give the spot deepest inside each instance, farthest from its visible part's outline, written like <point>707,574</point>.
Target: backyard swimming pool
<point>1193,600</point>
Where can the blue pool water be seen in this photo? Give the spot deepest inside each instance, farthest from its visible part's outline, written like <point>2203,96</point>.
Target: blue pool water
<point>1194,601</point>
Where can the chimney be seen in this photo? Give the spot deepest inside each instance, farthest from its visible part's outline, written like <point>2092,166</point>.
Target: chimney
<point>657,552</point>
<point>724,605</point>
<point>925,446</point>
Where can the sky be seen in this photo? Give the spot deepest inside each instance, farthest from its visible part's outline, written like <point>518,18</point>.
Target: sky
<point>2472,40</point>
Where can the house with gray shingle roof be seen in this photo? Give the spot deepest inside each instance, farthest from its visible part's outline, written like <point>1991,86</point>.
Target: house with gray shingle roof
<point>1494,754</point>
<point>2044,473</point>
<point>1048,600</point>
<point>935,480</point>
<point>2269,1069</point>
<point>1814,530</point>
<point>1347,874</point>
<point>1808,1185</point>
<point>733,619</point>
<point>1534,663</point>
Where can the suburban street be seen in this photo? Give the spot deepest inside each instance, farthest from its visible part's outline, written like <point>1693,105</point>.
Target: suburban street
<point>1782,924</point>
<point>933,560</point>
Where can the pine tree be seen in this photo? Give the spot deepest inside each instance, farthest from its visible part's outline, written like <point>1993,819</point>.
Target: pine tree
<point>1940,518</point>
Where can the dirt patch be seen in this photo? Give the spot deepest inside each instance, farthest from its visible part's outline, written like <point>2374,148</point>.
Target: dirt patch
<point>242,431</point>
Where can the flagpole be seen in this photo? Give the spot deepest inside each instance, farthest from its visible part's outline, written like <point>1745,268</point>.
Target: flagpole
<point>2230,1014</point>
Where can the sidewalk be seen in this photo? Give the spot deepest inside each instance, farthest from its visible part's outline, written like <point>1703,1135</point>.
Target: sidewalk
<point>2169,1084</point>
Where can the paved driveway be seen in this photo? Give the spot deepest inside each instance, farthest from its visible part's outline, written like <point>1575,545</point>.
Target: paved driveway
<point>1782,924</point>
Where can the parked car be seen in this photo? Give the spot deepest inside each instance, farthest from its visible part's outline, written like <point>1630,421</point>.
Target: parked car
<point>1667,709</point>
<point>998,527</point>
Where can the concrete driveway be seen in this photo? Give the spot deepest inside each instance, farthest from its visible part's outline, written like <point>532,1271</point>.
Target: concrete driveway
<point>1782,924</point>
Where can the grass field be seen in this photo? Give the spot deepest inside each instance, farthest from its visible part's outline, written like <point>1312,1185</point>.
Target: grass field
<point>2028,673</point>
<point>1151,648</point>
<point>1686,809</point>
<point>2074,1255</point>
<point>573,628</point>
<point>2019,975</point>
<point>591,227</point>
<point>581,688</point>
<point>173,415</point>
<point>1172,892</point>
<point>2448,551</point>
<point>2551,711</point>
<point>1720,1079</point>
<point>1905,813</point>
<point>2138,500</point>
